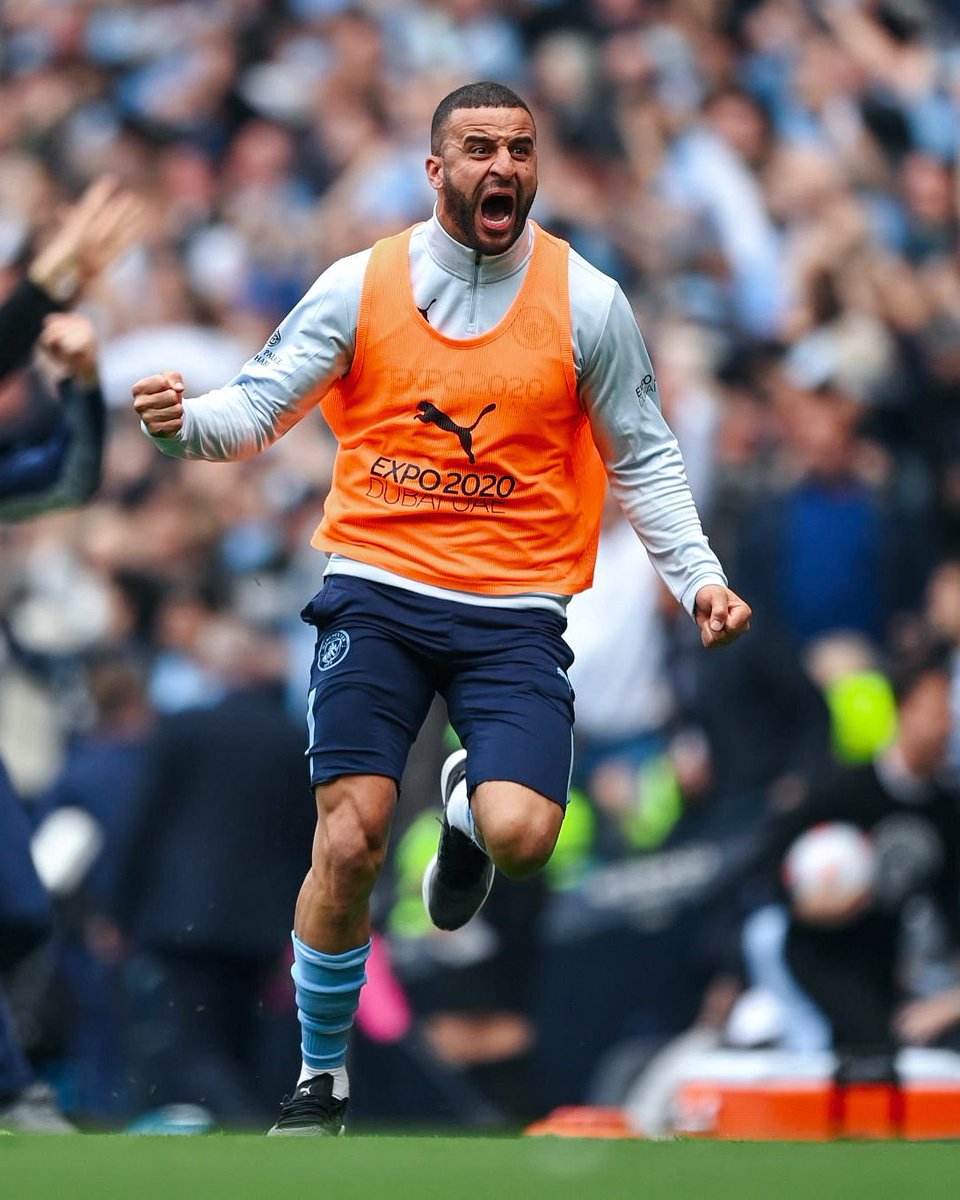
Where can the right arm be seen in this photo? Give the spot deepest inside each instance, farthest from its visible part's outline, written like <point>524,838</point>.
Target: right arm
<point>312,348</point>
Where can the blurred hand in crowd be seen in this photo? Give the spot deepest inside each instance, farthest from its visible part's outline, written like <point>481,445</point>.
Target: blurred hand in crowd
<point>93,232</point>
<point>67,348</point>
<point>923,1021</point>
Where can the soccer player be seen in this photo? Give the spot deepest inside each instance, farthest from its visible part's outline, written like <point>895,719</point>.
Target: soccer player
<point>482,381</point>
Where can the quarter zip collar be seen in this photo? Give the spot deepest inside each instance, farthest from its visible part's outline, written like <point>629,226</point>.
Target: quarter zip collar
<point>466,264</point>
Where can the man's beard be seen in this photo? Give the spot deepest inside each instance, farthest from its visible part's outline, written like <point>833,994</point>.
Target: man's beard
<point>463,211</point>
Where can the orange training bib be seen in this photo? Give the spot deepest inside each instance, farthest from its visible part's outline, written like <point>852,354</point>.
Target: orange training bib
<point>467,464</point>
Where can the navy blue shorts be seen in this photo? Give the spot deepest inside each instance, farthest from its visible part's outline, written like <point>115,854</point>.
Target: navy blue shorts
<point>383,652</point>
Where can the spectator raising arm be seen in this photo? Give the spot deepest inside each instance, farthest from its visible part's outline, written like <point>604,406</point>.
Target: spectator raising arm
<point>93,232</point>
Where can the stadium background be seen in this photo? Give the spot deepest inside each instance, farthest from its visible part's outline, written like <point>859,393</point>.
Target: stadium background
<point>774,186</point>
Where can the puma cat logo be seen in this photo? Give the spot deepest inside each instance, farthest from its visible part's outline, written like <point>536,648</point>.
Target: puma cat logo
<point>430,414</point>
<point>424,311</point>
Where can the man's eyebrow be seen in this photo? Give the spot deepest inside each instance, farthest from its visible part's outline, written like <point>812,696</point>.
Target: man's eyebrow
<point>524,138</point>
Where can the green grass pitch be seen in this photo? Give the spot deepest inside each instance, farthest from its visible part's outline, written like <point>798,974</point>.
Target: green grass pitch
<point>415,1167</point>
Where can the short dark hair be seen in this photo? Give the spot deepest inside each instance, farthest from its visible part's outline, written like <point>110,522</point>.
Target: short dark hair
<point>485,94</point>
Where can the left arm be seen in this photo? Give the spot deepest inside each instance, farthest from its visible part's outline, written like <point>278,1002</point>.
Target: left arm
<point>618,390</point>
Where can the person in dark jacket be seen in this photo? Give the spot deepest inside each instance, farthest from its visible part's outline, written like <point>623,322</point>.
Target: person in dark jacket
<point>26,918</point>
<point>219,844</point>
<point>59,468</point>
<point>845,956</point>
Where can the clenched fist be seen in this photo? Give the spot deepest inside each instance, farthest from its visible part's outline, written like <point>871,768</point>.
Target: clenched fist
<point>158,401</point>
<point>721,615</point>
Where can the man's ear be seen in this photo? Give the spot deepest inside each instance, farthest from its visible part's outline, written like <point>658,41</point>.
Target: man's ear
<point>434,165</point>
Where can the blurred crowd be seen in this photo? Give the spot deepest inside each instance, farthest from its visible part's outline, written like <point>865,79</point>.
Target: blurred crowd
<point>774,184</point>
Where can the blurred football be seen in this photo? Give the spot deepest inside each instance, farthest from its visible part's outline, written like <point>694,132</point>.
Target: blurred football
<point>832,865</point>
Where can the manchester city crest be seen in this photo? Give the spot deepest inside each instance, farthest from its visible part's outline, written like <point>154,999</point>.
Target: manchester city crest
<point>333,649</point>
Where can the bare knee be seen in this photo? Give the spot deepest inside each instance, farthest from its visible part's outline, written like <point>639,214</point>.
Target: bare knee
<point>520,830</point>
<point>353,823</point>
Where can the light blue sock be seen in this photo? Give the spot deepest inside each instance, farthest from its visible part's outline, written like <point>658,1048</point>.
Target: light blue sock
<point>328,992</point>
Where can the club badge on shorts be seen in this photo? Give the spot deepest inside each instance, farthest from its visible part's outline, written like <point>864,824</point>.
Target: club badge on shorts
<point>333,649</point>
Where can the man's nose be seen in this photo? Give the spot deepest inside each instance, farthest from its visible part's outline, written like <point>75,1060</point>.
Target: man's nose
<point>503,164</point>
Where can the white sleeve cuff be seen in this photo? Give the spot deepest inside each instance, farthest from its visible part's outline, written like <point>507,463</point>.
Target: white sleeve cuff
<point>689,597</point>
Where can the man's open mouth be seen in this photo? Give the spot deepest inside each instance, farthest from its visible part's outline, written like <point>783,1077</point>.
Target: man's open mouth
<point>496,211</point>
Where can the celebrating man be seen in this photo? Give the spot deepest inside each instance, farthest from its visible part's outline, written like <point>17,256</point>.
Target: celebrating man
<point>482,381</point>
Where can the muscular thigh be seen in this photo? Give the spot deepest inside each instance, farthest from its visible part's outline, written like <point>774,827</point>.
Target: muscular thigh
<point>369,689</point>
